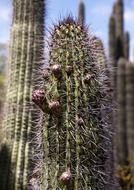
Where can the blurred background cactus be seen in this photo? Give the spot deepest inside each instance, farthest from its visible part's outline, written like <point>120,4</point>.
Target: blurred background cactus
<point>26,55</point>
<point>119,42</point>
<point>81,12</point>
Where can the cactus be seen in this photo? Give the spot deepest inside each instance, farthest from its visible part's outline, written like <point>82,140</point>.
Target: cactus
<point>118,39</point>
<point>129,113</point>
<point>112,39</point>
<point>126,45</point>
<point>75,137</point>
<point>121,144</point>
<point>119,9</point>
<point>81,13</point>
<point>124,144</point>
<point>26,55</point>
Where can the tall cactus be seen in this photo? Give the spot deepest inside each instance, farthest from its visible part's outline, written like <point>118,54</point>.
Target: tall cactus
<point>26,55</point>
<point>112,39</point>
<point>81,13</point>
<point>125,130</point>
<point>75,137</point>
<point>119,10</point>
<point>121,144</point>
<point>118,39</point>
<point>129,113</point>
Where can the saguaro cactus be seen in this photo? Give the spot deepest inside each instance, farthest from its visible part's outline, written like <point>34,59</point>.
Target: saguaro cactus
<point>75,136</point>
<point>129,113</point>
<point>26,54</point>
<point>121,144</point>
<point>118,39</point>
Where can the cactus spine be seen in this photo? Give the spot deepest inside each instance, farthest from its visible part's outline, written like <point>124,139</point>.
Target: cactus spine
<point>74,137</point>
<point>81,13</point>
<point>27,49</point>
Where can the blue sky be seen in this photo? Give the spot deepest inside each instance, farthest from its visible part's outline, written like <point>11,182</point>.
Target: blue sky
<point>97,16</point>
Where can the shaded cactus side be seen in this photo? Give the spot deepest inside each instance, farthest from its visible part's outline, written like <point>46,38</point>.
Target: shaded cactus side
<point>4,164</point>
<point>75,139</point>
<point>81,13</point>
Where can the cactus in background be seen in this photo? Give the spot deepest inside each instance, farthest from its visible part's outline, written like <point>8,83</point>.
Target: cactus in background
<point>119,17</point>
<point>125,132</point>
<point>76,139</point>
<point>112,39</point>
<point>129,114</point>
<point>126,45</point>
<point>118,39</point>
<point>121,139</point>
<point>119,10</point>
<point>81,13</point>
<point>26,54</point>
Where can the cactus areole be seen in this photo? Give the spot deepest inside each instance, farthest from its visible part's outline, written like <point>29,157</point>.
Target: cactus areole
<point>73,130</point>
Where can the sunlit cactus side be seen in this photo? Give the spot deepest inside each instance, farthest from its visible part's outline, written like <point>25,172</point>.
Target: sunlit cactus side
<point>126,45</point>
<point>129,114</point>
<point>81,12</point>
<point>76,138</point>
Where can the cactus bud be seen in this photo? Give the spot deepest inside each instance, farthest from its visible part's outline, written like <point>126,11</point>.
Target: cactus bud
<point>38,97</point>
<point>55,107</point>
<point>66,177</point>
<point>56,70</point>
